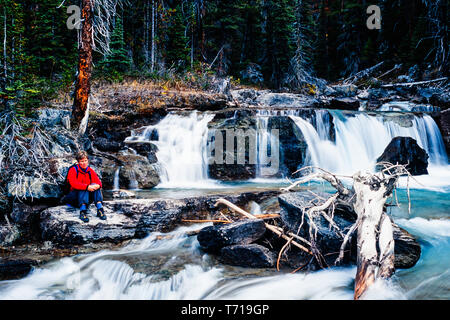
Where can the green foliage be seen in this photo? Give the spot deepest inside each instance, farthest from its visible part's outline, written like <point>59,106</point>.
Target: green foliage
<point>176,44</point>
<point>41,54</point>
<point>117,60</point>
<point>328,38</point>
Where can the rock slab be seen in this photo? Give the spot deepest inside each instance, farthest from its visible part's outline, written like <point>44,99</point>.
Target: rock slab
<point>213,238</point>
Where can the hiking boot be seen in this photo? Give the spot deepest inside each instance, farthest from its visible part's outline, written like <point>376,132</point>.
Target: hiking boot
<point>101,214</point>
<point>83,216</point>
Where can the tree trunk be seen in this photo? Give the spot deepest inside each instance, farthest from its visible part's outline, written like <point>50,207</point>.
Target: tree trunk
<point>375,252</point>
<point>153,35</point>
<point>83,83</point>
<point>146,28</point>
<point>5,69</point>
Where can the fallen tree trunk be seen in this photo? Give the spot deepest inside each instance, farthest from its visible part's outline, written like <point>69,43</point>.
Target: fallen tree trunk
<point>409,84</point>
<point>363,74</point>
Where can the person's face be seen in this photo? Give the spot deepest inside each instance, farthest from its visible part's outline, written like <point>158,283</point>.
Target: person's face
<point>83,163</point>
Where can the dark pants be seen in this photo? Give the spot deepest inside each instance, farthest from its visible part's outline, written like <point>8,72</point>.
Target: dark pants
<point>77,197</point>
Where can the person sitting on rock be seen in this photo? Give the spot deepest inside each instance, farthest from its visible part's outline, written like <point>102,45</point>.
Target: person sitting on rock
<point>85,187</point>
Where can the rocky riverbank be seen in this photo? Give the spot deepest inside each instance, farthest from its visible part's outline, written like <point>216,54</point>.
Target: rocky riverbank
<point>32,217</point>
<point>54,232</point>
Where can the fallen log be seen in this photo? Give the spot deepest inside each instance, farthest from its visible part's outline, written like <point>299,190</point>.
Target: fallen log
<point>363,74</point>
<point>409,84</point>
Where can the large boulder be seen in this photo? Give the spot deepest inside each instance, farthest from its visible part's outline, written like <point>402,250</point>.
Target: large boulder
<point>239,121</point>
<point>406,151</point>
<point>407,250</point>
<point>249,256</point>
<point>346,103</point>
<point>213,238</point>
<point>146,148</point>
<point>34,189</point>
<point>328,240</point>
<point>292,144</point>
<point>137,172</point>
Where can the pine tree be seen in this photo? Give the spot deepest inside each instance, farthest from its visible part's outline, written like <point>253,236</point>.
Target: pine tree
<point>176,46</point>
<point>280,20</point>
<point>117,60</point>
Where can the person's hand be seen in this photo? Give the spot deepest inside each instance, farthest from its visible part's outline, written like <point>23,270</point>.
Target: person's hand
<point>92,187</point>
<point>96,186</point>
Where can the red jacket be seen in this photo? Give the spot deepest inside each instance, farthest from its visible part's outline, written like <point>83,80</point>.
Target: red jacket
<point>83,180</point>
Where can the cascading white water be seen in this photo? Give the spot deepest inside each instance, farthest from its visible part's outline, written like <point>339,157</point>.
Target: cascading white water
<point>263,140</point>
<point>116,185</point>
<point>361,139</point>
<point>182,151</point>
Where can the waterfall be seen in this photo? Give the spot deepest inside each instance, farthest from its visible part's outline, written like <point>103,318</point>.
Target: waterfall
<point>182,151</point>
<point>263,139</point>
<point>116,185</point>
<point>361,139</point>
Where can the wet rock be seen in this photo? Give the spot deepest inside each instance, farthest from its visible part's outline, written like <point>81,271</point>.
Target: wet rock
<point>228,167</point>
<point>406,249</point>
<point>406,151</point>
<point>249,256</point>
<point>15,269</point>
<point>123,194</point>
<point>9,234</point>
<point>147,149</point>
<point>213,238</point>
<point>107,145</point>
<point>328,240</point>
<point>292,144</point>
<point>26,218</point>
<point>137,172</point>
<point>346,103</point>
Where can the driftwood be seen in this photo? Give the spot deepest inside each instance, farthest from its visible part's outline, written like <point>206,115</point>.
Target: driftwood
<point>410,84</point>
<point>363,74</point>
<point>375,243</point>
<point>278,231</point>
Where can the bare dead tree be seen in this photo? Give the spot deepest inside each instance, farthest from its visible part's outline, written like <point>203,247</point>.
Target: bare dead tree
<point>24,152</point>
<point>367,198</point>
<point>97,22</point>
<point>437,17</point>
